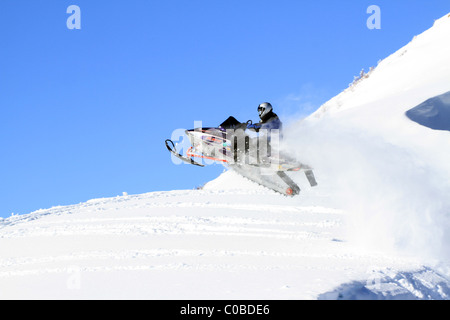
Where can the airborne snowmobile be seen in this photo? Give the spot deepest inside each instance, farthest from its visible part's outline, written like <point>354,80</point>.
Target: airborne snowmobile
<point>256,158</point>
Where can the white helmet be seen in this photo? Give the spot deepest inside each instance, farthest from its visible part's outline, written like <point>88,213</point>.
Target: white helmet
<point>264,109</point>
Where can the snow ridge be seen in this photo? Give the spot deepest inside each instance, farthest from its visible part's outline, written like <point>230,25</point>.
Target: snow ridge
<point>390,173</point>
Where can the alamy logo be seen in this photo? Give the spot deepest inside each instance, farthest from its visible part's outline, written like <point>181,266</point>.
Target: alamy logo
<point>230,146</point>
<point>74,278</point>
<point>74,20</point>
<point>374,21</point>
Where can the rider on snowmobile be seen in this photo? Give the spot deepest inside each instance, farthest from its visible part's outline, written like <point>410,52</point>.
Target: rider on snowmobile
<point>263,133</point>
<point>269,119</point>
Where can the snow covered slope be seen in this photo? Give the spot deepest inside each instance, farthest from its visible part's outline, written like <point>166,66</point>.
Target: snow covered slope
<point>200,244</point>
<point>377,105</point>
<point>390,173</point>
<point>376,227</point>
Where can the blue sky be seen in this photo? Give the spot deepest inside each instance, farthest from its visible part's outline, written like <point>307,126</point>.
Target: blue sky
<point>84,113</point>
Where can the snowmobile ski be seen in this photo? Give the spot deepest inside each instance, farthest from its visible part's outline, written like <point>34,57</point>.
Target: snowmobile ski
<point>172,149</point>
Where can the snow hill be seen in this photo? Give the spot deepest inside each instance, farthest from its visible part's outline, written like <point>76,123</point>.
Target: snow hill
<point>376,227</point>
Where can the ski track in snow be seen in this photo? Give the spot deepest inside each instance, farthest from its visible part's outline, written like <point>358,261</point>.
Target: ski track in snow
<point>204,226</point>
<point>269,246</point>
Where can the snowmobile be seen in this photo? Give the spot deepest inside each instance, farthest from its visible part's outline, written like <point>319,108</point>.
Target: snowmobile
<point>256,158</point>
